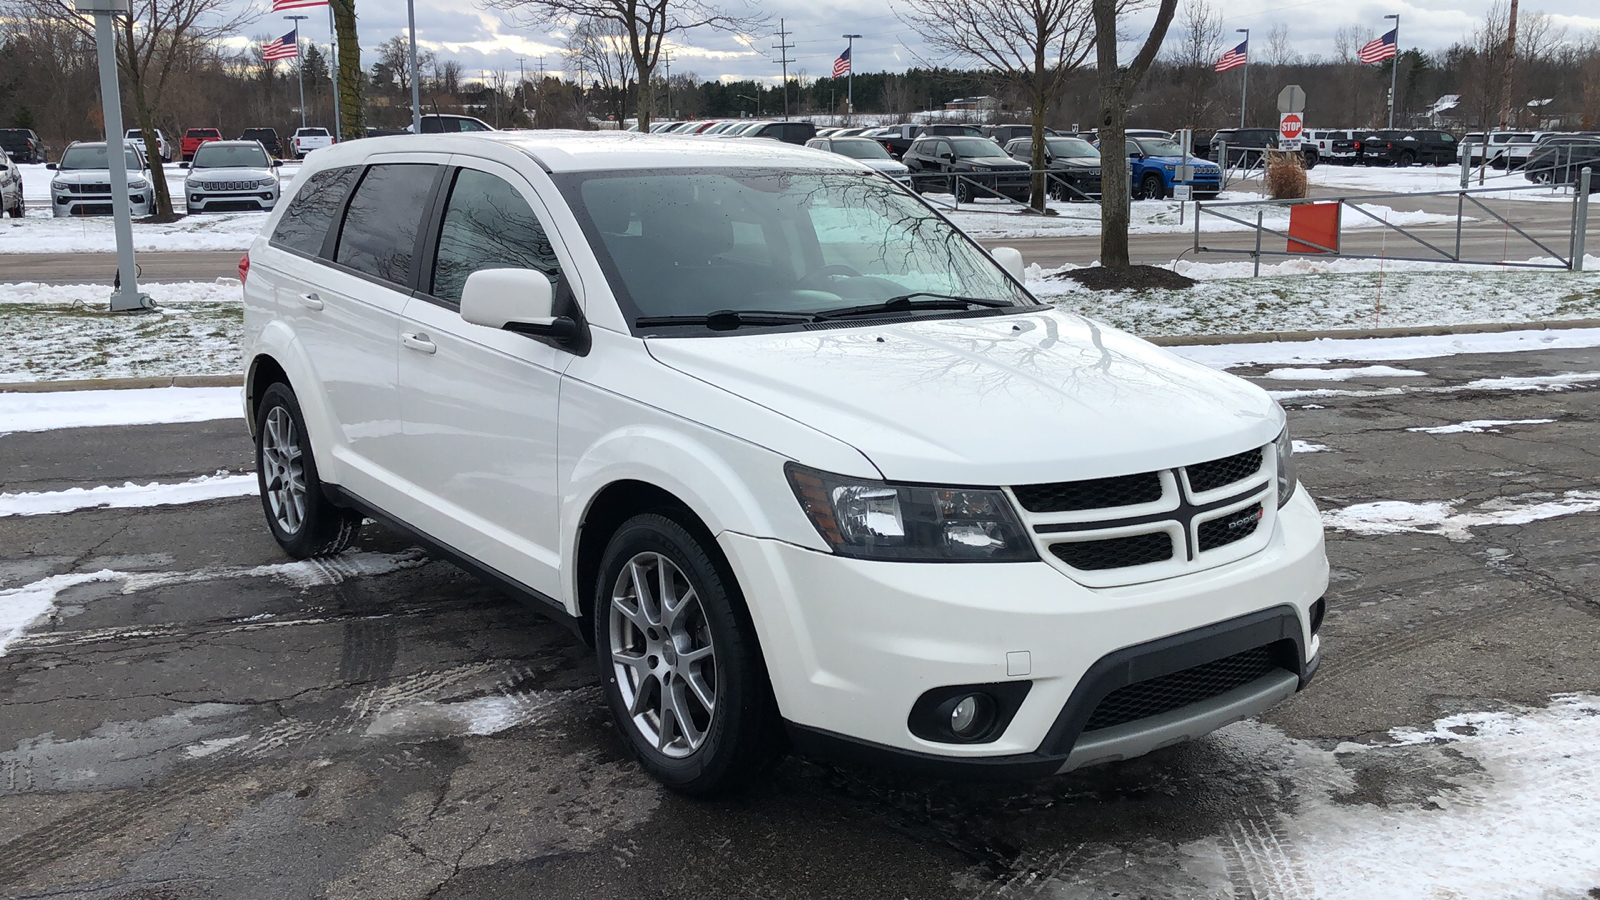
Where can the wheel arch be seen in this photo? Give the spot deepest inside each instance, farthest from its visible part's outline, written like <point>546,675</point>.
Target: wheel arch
<point>276,356</point>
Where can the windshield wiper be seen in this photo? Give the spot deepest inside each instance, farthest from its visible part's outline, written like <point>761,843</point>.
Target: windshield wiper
<point>729,319</point>
<point>907,302</point>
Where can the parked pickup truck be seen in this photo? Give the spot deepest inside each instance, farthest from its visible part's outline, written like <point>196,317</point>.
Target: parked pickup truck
<point>194,137</point>
<point>897,138</point>
<point>306,140</point>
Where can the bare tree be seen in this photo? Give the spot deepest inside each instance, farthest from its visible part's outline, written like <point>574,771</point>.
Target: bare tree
<point>154,41</point>
<point>600,49</point>
<point>1117,85</point>
<point>1031,45</point>
<point>1196,53</point>
<point>1280,51</point>
<point>645,24</point>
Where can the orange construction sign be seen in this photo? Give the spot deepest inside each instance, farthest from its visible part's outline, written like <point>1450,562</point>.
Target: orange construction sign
<point>1316,223</point>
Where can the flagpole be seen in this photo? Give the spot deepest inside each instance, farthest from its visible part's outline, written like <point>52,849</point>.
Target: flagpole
<point>333,44</point>
<point>1244,88</point>
<point>850,79</point>
<point>1394,70</point>
<point>300,66</point>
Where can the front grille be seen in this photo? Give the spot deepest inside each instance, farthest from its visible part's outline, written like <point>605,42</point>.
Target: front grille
<point>91,209</point>
<point>228,186</point>
<point>88,188</point>
<point>1115,553</point>
<point>1166,693</point>
<point>1208,476</point>
<point>1235,526</point>
<point>1095,493</point>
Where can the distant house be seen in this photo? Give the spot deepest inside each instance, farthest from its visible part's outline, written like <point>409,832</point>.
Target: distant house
<point>974,103</point>
<point>1445,112</point>
<point>1550,114</point>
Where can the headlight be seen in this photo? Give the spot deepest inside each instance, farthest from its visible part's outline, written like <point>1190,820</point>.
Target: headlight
<point>915,523</point>
<point>1286,474</point>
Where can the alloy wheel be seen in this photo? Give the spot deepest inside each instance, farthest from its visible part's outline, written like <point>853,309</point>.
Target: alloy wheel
<point>662,655</point>
<point>283,470</point>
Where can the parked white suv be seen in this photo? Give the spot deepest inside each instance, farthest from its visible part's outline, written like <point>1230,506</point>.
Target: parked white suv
<point>231,176</point>
<point>11,194</point>
<point>789,448</point>
<point>82,183</point>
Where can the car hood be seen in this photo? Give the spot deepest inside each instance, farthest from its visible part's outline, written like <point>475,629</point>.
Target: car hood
<point>887,166</point>
<point>992,162</point>
<point>1075,162</point>
<point>240,173</point>
<point>91,176</point>
<point>1195,161</point>
<point>1019,399</point>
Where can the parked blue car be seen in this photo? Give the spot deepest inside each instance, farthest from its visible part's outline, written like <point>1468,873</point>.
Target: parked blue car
<point>1152,169</point>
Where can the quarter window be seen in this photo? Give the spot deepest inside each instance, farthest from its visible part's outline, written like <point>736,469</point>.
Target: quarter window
<point>305,223</point>
<point>380,228</point>
<point>487,225</point>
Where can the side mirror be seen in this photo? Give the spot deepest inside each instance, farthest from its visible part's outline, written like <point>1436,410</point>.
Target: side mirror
<point>183,165</point>
<point>50,165</point>
<point>518,300</point>
<point>277,164</point>
<point>1009,259</point>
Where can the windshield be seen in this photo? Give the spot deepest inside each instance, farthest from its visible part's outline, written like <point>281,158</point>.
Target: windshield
<point>211,156</point>
<point>93,156</point>
<point>1159,147</point>
<point>976,148</point>
<point>860,149</point>
<point>694,242</point>
<point>1072,148</point>
<point>312,132</point>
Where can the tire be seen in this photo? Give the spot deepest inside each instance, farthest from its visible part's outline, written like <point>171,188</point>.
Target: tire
<point>740,735</point>
<point>1153,188</point>
<point>1408,159</point>
<point>1312,157</point>
<point>303,521</point>
<point>963,191</point>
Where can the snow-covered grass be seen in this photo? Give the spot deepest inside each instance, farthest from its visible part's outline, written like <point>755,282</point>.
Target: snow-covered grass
<point>1324,350</point>
<point>61,332</point>
<point>1228,301</point>
<point>1423,179</point>
<point>98,409</point>
<point>128,496</point>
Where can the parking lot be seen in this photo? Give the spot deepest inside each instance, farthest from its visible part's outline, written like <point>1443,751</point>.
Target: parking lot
<point>199,717</point>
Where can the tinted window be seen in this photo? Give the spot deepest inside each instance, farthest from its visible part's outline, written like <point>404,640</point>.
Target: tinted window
<point>470,125</point>
<point>217,156</point>
<point>305,223</point>
<point>380,228</point>
<point>487,225</point>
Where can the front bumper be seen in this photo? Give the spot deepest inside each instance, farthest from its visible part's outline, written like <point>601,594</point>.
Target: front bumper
<point>262,200</point>
<point>71,205</point>
<point>851,645</point>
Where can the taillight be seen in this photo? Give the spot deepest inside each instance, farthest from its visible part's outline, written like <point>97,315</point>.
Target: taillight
<point>244,267</point>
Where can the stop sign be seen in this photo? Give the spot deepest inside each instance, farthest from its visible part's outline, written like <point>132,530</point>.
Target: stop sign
<point>1290,126</point>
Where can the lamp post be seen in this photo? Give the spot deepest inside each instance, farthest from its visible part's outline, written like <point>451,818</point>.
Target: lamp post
<point>1244,90</point>
<point>127,297</point>
<point>416,87</point>
<point>850,79</point>
<point>333,45</point>
<point>756,100</point>
<point>300,66</point>
<point>1394,70</point>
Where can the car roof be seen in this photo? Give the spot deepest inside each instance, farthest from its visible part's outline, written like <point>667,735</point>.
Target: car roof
<point>234,144</point>
<point>584,151</point>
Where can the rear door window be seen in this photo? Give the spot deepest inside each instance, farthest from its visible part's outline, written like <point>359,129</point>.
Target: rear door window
<point>488,225</point>
<point>305,223</point>
<point>379,236</point>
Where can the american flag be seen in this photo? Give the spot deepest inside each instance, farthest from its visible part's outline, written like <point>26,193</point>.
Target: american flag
<point>1234,58</point>
<point>281,5</point>
<point>842,64</point>
<point>286,47</point>
<point>1378,49</point>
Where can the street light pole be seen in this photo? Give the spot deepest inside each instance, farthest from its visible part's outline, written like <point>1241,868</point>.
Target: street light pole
<point>850,79</point>
<point>1394,70</point>
<point>127,297</point>
<point>416,87</point>
<point>300,66</point>
<point>333,44</point>
<point>1244,90</point>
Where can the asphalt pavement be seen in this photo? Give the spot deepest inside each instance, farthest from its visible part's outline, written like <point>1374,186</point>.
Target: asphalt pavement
<point>200,718</point>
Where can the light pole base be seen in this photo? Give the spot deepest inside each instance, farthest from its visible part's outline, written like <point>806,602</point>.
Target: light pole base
<point>131,302</point>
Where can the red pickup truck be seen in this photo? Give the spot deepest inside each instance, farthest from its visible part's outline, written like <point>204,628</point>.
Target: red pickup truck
<point>194,137</point>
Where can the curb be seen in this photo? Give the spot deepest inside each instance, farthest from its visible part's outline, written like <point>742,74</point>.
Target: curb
<point>123,384</point>
<point>1181,340</point>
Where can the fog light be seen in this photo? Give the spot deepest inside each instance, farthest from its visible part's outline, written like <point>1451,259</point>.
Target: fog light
<point>971,716</point>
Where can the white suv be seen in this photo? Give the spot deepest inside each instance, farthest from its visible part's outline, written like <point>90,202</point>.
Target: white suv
<point>796,455</point>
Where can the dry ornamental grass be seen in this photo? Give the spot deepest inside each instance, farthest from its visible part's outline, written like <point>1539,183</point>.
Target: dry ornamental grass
<point>1286,176</point>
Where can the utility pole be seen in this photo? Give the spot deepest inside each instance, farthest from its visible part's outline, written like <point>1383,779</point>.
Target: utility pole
<point>1394,69</point>
<point>1244,90</point>
<point>850,79</point>
<point>667,58</point>
<point>333,45</point>
<point>416,85</point>
<point>300,66</point>
<point>783,47</point>
<point>522,84</point>
<point>1507,120</point>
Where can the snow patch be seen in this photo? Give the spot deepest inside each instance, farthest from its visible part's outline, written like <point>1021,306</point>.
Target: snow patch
<point>1326,350</point>
<point>1478,426</point>
<point>128,496</point>
<point>1440,516</point>
<point>1303,374</point>
<point>20,607</point>
<point>482,715</point>
<point>1308,447</point>
<point>99,409</point>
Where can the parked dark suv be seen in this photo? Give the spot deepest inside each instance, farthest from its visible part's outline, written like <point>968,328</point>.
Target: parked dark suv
<point>1246,146</point>
<point>1561,161</point>
<point>1074,165</point>
<point>22,145</point>
<point>788,132</point>
<point>985,169</point>
<point>1001,134</point>
<point>267,137</point>
<point>1406,148</point>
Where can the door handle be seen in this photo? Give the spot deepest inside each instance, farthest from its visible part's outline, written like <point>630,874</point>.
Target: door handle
<point>310,301</point>
<point>419,343</point>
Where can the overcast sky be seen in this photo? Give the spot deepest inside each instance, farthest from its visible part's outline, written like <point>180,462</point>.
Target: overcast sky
<point>485,41</point>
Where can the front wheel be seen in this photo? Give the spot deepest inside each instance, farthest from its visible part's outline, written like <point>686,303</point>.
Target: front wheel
<point>963,191</point>
<point>679,660</point>
<point>1153,188</point>
<point>303,520</point>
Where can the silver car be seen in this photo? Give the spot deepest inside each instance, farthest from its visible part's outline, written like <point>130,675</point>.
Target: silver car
<point>82,184</point>
<point>231,176</point>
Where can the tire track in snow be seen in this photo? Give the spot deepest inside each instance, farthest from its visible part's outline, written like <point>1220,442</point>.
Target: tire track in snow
<point>1262,863</point>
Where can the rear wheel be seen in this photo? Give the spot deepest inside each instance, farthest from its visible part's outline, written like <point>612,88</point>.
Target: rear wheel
<point>679,660</point>
<point>303,520</point>
<point>1408,158</point>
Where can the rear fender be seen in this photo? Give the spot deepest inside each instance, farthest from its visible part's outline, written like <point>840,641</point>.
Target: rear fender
<point>278,342</point>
